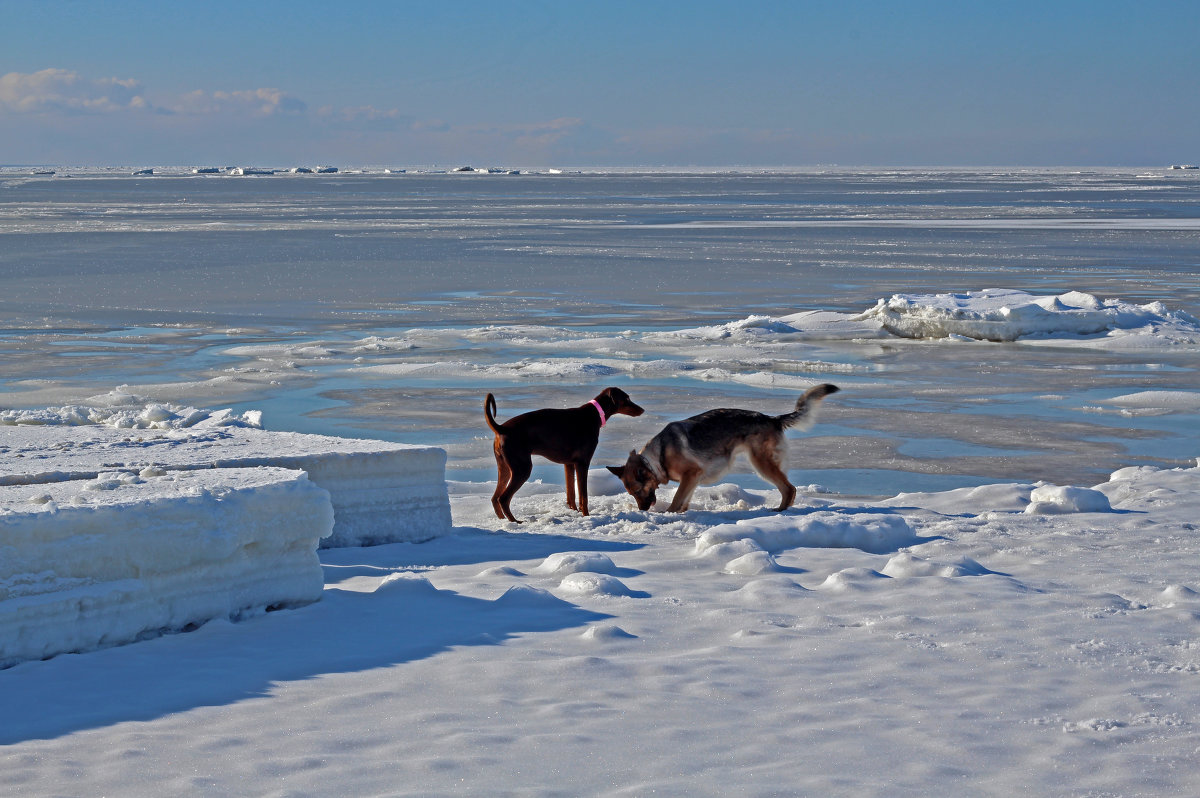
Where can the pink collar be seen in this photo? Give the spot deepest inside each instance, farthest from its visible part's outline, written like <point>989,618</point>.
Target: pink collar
<point>600,410</point>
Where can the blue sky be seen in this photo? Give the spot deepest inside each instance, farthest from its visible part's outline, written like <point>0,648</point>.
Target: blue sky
<point>581,83</point>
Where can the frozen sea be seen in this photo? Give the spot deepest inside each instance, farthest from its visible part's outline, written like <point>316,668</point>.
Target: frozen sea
<point>387,305</point>
<point>987,585</point>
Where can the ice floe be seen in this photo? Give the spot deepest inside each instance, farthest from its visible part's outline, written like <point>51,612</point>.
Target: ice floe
<point>92,563</point>
<point>381,492</point>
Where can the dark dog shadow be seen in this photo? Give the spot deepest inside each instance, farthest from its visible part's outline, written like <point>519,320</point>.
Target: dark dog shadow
<point>405,619</point>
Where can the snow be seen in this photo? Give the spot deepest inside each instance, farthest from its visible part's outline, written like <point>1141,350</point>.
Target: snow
<point>1010,315</point>
<point>1017,637</point>
<point>731,650</point>
<point>122,410</point>
<point>1150,402</point>
<point>91,563</point>
<point>382,492</point>
<point>1053,499</point>
<point>872,532</point>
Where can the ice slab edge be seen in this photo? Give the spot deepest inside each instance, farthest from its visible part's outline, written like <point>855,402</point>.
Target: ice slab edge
<point>381,492</point>
<point>87,564</point>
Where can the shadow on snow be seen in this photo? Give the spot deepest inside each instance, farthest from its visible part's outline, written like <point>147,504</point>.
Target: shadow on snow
<point>404,620</point>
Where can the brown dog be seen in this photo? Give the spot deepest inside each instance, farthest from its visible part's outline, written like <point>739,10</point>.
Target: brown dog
<point>702,448</point>
<point>561,436</point>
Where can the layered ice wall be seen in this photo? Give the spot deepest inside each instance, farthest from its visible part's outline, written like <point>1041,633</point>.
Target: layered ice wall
<point>91,563</point>
<point>381,492</point>
<point>111,534</point>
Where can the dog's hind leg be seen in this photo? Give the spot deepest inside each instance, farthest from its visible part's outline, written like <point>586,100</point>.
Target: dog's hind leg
<point>521,466</point>
<point>767,463</point>
<point>503,477</point>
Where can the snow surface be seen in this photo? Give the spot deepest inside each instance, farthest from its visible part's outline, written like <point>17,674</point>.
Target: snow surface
<point>927,644</point>
<point>92,563</point>
<point>382,492</point>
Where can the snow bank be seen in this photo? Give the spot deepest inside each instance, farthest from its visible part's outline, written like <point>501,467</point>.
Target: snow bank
<point>595,586</point>
<point>381,492</point>
<point>1145,487</point>
<point>92,563</point>
<point>994,314</point>
<point>1157,402</point>
<point>1008,315</point>
<point>906,565</point>
<point>871,532</point>
<point>1055,499</point>
<point>573,562</point>
<point>999,497</point>
<point>751,327</point>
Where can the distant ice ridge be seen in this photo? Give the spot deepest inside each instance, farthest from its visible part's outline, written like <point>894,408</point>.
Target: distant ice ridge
<point>994,314</point>
<point>1008,315</point>
<point>92,563</point>
<point>124,410</point>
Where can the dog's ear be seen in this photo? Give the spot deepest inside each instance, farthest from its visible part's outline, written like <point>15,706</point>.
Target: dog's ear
<point>615,470</point>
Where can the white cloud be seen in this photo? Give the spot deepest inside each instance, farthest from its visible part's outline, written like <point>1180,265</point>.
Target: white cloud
<point>367,113</point>
<point>528,135</point>
<point>250,116</point>
<point>431,126</point>
<point>64,91</point>
<point>363,117</point>
<point>256,102</point>
<point>548,133</point>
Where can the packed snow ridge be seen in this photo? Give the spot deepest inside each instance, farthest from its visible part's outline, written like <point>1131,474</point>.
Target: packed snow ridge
<point>92,563</point>
<point>161,519</point>
<point>381,492</point>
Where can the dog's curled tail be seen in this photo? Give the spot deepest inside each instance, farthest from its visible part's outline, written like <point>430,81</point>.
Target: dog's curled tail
<point>805,413</point>
<point>489,412</point>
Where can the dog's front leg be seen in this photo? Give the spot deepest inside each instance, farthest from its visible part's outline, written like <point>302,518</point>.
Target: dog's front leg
<point>570,474</point>
<point>683,496</point>
<point>581,471</point>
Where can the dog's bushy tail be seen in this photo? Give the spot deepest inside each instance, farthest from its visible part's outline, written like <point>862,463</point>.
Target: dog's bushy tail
<point>489,412</point>
<point>805,413</point>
